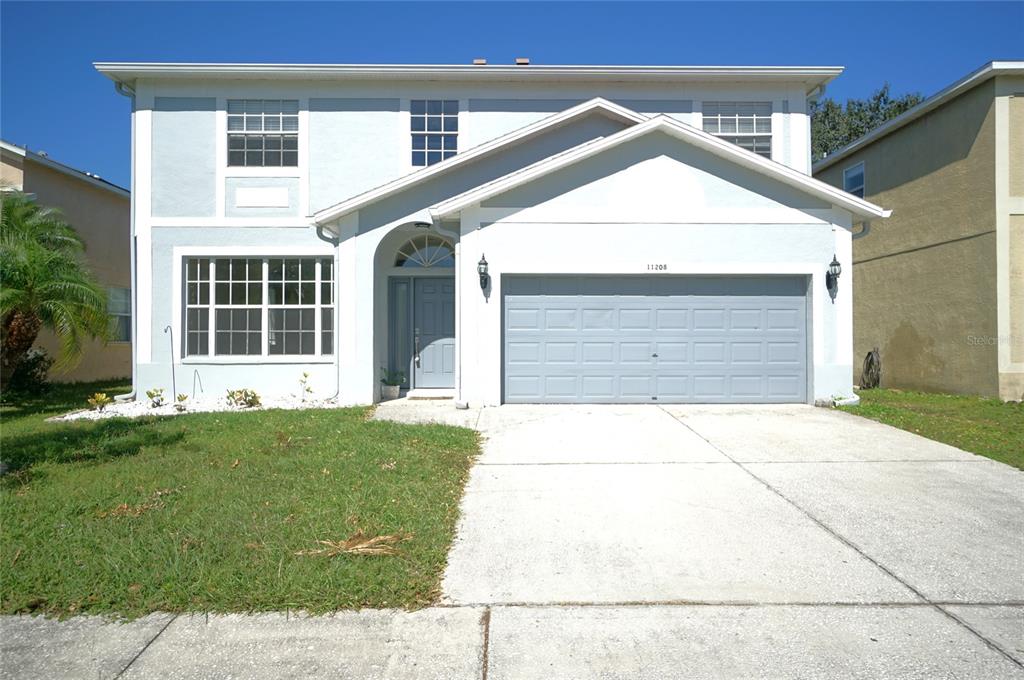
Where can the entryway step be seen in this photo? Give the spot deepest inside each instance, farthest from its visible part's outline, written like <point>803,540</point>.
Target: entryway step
<point>427,393</point>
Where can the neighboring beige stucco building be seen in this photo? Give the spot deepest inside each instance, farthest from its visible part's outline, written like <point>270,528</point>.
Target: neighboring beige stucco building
<point>939,286</point>
<point>101,214</point>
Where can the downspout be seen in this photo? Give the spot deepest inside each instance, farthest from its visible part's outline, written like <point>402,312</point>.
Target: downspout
<point>457,243</point>
<point>335,241</point>
<point>126,91</point>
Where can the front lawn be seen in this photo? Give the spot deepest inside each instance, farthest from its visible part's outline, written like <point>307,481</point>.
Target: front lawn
<point>222,511</point>
<point>988,427</point>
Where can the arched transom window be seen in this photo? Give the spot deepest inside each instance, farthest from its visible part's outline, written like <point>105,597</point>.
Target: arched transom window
<point>426,250</point>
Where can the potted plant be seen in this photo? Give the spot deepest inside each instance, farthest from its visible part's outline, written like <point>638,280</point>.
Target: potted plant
<point>391,383</point>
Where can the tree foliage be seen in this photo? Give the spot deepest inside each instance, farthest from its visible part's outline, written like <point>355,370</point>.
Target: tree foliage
<point>44,283</point>
<point>833,126</point>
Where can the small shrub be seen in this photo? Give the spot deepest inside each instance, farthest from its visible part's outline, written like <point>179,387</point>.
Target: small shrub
<point>243,398</point>
<point>156,397</point>
<point>99,401</point>
<point>179,404</point>
<point>32,373</point>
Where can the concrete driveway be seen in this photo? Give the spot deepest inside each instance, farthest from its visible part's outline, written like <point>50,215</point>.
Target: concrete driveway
<point>637,541</point>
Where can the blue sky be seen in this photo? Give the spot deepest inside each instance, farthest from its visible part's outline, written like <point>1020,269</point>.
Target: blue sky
<point>51,98</point>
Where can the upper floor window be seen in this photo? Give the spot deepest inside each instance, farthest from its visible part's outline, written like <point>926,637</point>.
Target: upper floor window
<point>853,180</point>
<point>746,124</point>
<point>263,132</point>
<point>435,130</point>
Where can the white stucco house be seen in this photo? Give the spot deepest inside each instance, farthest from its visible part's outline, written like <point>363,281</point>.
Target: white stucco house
<point>495,234</point>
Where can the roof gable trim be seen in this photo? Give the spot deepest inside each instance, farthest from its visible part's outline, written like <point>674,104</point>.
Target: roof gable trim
<point>682,132</point>
<point>496,145</point>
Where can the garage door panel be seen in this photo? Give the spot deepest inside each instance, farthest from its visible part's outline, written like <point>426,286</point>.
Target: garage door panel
<point>709,319</point>
<point>746,352</point>
<point>671,319</point>
<point>635,319</point>
<point>779,352</point>
<point>637,386</point>
<point>635,353</point>
<point>667,339</point>
<point>598,353</point>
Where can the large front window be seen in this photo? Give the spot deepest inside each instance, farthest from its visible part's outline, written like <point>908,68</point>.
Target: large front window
<point>746,124</point>
<point>259,306</point>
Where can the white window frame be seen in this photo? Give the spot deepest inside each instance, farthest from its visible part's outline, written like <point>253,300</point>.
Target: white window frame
<point>182,254</point>
<point>863,180</point>
<point>262,132</point>
<point>114,314</point>
<point>425,133</point>
<point>730,136</point>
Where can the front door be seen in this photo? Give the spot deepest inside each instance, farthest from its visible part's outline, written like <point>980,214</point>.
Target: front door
<point>433,327</point>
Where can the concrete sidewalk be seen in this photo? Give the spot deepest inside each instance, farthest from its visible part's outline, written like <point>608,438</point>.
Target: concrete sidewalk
<point>649,542</point>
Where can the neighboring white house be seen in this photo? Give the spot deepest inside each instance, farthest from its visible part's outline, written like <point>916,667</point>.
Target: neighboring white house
<point>650,234</point>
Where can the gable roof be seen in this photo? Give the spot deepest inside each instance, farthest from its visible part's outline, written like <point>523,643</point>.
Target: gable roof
<point>682,131</point>
<point>989,70</point>
<point>494,146</point>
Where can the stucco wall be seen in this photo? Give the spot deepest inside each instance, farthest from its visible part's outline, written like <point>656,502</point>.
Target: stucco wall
<point>102,220</point>
<point>925,279</point>
<point>1016,165</point>
<point>11,169</point>
<point>217,374</point>
<point>184,157</point>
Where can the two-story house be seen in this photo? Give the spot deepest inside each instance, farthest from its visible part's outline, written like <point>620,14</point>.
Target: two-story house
<point>498,234</point>
<point>940,286</point>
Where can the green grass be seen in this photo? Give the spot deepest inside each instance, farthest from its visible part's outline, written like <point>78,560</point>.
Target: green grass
<point>988,427</point>
<point>206,512</point>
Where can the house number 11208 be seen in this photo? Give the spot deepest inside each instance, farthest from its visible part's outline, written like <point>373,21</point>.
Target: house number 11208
<point>657,267</point>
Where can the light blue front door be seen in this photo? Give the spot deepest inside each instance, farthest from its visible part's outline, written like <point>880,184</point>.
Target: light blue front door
<point>433,332</point>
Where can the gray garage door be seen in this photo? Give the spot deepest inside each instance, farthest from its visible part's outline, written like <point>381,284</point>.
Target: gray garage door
<point>669,339</point>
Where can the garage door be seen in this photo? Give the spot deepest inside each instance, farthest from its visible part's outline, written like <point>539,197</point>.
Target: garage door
<point>617,339</point>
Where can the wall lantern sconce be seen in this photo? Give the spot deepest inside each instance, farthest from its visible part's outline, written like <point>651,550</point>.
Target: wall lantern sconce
<point>832,277</point>
<point>481,268</point>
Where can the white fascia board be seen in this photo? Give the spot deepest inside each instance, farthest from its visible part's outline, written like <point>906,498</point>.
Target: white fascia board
<point>11,148</point>
<point>496,145</point>
<point>989,70</point>
<point>128,72</point>
<point>684,132</point>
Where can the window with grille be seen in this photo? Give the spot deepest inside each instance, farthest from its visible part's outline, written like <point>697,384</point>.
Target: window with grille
<point>746,124</point>
<point>277,306</point>
<point>435,130</point>
<point>263,132</point>
<point>119,308</point>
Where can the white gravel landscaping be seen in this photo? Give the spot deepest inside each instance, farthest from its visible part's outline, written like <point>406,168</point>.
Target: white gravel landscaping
<point>142,407</point>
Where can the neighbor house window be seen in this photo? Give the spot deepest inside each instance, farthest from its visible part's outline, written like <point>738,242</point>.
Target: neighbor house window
<point>746,124</point>
<point>435,130</point>
<point>263,132</point>
<point>853,180</point>
<point>259,306</point>
<point>119,308</point>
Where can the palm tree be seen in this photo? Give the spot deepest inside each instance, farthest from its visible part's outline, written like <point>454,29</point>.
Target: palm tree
<point>44,283</point>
